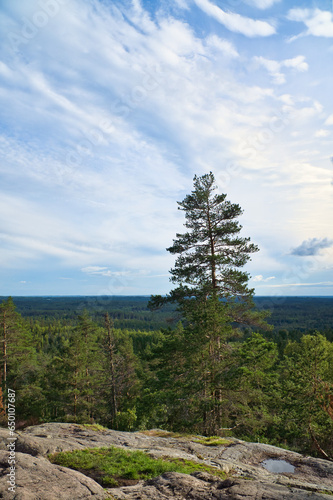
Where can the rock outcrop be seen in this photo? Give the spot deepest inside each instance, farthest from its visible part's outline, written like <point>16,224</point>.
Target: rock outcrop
<point>37,479</point>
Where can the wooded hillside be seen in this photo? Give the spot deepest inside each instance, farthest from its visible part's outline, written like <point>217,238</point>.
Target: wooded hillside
<point>277,386</point>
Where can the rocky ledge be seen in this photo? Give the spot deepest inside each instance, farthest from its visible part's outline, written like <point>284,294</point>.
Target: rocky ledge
<point>37,479</point>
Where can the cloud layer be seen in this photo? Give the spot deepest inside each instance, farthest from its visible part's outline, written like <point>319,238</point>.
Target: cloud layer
<point>110,108</point>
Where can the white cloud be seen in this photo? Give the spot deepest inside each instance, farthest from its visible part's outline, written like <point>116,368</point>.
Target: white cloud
<point>329,120</point>
<point>93,269</point>
<point>274,67</point>
<point>318,22</point>
<point>302,110</point>
<point>297,62</point>
<point>287,99</point>
<point>322,133</point>
<point>235,22</point>
<point>104,271</point>
<point>29,233</point>
<point>182,4</point>
<point>298,14</point>
<point>260,278</point>
<point>5,71</point>
<point>262,4</point>
<point>226,47</point>
<point>313,284</point>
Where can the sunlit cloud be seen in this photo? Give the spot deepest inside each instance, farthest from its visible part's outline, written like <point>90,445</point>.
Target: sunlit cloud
<point>235,22</point>
<point>274,67</point>
<point>262,4</point>
<point>318,22</point>
<point>322,133</point>
<point>260,278</point>
<point>329,120</point>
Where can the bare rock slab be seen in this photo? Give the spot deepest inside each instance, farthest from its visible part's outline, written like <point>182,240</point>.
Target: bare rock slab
<point>37,479</point>
<point>173,485</point>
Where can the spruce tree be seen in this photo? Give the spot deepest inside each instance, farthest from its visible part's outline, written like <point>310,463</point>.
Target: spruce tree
<point>83,362</point>
<point>17,358</point>
<point>307,394</point>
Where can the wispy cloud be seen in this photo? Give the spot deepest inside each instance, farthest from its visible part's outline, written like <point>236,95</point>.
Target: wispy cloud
<point>93,269</point>
<point>104,271</point>
<point>320,284</point>
<point>322,133</point>
<point>329,120</point>
<point>274,67</point>
<point>260,278</point>
<point>235,22</point>
<point>218,44</point>
<point>318,22</point>
<point>262,4</point>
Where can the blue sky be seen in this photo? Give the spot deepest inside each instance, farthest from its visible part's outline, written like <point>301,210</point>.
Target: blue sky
<point>108,110</point>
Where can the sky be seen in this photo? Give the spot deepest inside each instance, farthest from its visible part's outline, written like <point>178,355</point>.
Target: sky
<point>108,110</point>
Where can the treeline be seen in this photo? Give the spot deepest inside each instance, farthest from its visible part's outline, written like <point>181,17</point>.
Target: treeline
<point>127,380</point>
<point>127,312</point>
<point>292,315</point>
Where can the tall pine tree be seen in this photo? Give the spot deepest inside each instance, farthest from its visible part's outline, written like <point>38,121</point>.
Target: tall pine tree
<point>212,293</point>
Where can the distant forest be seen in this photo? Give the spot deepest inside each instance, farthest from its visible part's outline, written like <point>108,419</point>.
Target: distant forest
<point>288,314</point>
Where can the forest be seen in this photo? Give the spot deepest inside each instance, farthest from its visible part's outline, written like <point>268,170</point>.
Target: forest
<point>208,358</point>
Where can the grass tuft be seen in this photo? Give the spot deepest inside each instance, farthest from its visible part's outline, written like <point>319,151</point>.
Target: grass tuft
<point>95,427</point>
<point>212,441</point>
<point>112,467</point>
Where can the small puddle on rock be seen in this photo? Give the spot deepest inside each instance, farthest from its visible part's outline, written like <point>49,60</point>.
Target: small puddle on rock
<point>277,466</point>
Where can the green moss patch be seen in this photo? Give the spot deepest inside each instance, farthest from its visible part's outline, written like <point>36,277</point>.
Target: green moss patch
<point>95,427</point>
<point>212,441</point>
<point>205,440</point>
<point>112,467</point>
